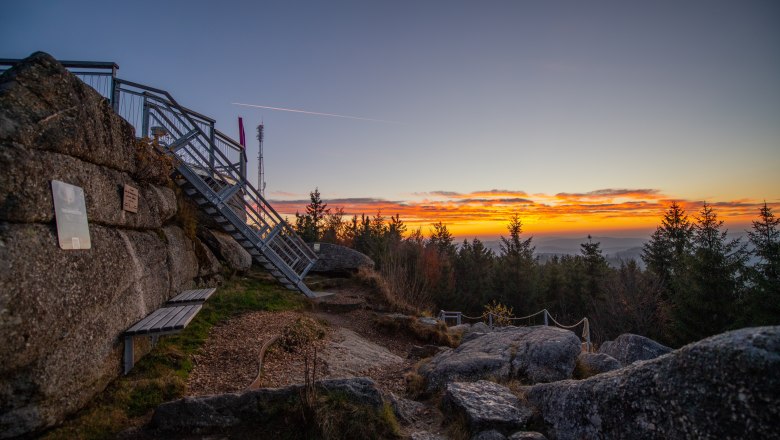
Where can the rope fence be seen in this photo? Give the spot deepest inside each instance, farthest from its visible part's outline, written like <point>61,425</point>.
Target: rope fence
<point>489,319</point>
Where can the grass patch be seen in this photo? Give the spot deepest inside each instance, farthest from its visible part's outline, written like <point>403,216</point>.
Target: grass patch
<point>161,375</point>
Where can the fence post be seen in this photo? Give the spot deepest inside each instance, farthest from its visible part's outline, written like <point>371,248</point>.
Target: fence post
<point>490,320</point>
<point>587,333</point>
<point>459,315</point>
<point>545,317</point>
<point>115,93</point>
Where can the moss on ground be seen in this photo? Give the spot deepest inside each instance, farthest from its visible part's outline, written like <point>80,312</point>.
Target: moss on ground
<point>161,375</point>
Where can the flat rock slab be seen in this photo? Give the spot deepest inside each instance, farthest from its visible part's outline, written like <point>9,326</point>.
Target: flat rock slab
<point>485,406</point>
<point>349,355</point>
<point>532,354</point>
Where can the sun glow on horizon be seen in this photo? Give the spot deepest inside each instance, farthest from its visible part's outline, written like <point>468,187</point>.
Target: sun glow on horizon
<point>485,214</point>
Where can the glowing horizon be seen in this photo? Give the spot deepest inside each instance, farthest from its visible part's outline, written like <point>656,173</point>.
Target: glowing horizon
<point>485,214</point>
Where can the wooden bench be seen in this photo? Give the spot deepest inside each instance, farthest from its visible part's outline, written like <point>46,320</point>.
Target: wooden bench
<point>172,318</point>
<point>193,296</point>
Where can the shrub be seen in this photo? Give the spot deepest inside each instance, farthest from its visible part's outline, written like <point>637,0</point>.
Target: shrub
<point>502,315</point>
<point>302,332</point>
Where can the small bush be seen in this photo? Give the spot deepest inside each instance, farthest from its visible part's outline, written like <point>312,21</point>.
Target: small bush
<point>502,315</point>
<point>302,332</point>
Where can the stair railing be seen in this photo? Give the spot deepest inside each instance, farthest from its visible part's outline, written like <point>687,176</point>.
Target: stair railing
<point>203,153</point>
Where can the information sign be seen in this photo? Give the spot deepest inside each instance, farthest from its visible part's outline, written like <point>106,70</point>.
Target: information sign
<point>70,210</point>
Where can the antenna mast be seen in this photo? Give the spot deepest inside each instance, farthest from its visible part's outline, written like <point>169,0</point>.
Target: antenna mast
<point>260,167</point>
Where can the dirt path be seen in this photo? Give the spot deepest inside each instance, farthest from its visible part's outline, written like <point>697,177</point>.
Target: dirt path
<point>351,346</point>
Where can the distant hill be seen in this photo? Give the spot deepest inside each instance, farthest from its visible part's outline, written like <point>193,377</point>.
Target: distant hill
<point>615,249</point>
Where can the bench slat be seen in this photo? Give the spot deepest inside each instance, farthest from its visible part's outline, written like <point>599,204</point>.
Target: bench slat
<point>193,295</point>
<point>170,324</point>
<point>184,318</point>
<point>151,324</point>
<point>138,325</point>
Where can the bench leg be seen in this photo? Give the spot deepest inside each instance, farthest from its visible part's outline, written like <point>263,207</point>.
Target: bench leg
<point>129,354</point>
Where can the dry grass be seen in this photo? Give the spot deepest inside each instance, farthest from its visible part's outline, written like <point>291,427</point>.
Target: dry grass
<point>378,285</point>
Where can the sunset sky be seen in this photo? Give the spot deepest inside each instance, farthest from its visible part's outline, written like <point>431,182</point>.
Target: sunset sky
<point>583,116</point>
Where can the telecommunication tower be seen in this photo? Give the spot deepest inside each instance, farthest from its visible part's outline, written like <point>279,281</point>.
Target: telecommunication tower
<point>260,167</point>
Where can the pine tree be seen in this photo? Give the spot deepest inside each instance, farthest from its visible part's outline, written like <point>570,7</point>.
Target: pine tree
<point>596,268</point>
<point>713,282</point>
<point>669,247</point>
<point>310,225</point>
<point>764,299</point>
<point>515,279</point>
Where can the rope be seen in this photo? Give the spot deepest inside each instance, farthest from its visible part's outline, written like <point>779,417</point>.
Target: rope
<point>567,326</point>
<point>529,316</point>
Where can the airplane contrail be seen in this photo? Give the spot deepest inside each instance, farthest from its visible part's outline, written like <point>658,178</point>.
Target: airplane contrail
<point>315,113</point>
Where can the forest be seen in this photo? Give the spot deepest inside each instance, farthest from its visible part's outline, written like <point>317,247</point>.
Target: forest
<point>695,281</point>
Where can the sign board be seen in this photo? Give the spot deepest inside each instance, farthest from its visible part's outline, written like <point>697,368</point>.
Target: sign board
<point>130,199</point>
<point>70,210</point>
<point>316,247</point>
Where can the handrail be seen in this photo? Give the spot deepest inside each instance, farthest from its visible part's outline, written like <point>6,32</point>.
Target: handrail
<point>69,64</point>
<point>220,161</point>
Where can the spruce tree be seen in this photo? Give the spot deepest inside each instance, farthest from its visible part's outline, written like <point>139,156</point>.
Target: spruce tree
<point>764,299</point>
<point>712,285</point>
<point>516,269</point>
<point>667,252</point>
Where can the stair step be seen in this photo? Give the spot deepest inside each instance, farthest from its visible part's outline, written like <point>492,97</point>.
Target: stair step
<point>201,201</point>
<point>228,228</point>
<point>190,191</point>
<point>210,210</point>
<point>220,219</point>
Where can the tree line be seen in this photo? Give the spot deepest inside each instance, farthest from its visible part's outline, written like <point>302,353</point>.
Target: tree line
<point>696,282</point>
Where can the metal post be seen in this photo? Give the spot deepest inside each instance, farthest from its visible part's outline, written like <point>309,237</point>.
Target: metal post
<point>114,92</point>
<point>490,320</point>
<point>545,317</point>
<point>145,119</point>
<point>129,354</point>
<point>459,314</point>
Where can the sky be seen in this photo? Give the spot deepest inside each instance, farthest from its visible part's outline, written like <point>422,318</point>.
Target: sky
<point>581,116</point>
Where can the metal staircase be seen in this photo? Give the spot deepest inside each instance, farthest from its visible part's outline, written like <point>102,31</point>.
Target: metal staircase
<point>208,174</point>
<point>210,169</point>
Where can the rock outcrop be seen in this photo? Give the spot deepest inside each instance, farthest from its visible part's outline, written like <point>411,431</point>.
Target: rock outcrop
<point>628,348</point>
<point>723,387</point>
<point>350,355</point>
<point>234,414</point>
<point>225,247</point>
<point>335,259</point>
<point>531,354</point>
<point>62,311</point>
<point>591,364</point>
<point>484,406</point>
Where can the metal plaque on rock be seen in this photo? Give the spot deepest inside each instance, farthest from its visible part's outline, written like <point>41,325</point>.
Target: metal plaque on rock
<point>130,199</point>
<point>70,210</point>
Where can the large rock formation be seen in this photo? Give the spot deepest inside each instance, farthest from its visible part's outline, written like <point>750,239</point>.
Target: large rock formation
<point>628,348</point>
<point>335,259</point>
<point>62,311</point>
<point>532,354</point>
<point>723,387</point>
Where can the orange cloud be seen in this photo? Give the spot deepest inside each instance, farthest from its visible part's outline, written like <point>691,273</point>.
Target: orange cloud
<point>485,213</point>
